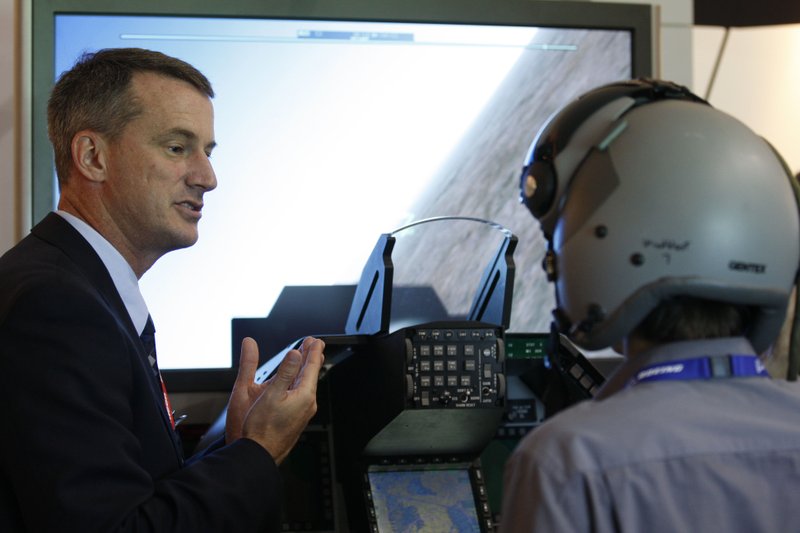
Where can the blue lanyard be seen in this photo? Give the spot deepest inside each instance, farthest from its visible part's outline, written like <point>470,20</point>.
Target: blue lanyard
<point>720,366</point>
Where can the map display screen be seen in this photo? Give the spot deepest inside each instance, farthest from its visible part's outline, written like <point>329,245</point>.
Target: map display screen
<point>411,501</point>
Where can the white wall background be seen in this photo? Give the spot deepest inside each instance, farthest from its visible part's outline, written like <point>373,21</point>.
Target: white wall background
<point>757,80</point>
<point>9,194</point>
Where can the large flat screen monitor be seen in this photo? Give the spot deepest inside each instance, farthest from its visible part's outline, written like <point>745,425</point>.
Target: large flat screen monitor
<point>337,121</point>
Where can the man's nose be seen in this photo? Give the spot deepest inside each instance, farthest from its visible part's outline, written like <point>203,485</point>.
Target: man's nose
<point>203,175</point>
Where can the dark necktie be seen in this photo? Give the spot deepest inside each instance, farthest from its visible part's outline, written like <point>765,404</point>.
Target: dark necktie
<point>148,337</point>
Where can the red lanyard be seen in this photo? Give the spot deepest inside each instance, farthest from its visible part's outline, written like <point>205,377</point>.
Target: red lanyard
<point>166,401</point>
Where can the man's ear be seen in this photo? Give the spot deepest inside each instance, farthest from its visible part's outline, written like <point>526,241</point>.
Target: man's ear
<point>90,155</point>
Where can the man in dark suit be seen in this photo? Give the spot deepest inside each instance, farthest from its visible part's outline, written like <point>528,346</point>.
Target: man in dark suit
<point>88,440</point>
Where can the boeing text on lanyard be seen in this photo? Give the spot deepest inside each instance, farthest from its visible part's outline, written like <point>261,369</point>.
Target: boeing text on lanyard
<point>716,367</point>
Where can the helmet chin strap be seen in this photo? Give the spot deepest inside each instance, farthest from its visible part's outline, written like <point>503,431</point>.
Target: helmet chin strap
<point>794,339</point>
<point>554,340</point>
<point>794,336</point>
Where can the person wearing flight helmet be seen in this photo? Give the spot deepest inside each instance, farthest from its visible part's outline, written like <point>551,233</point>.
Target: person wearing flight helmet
<point>674,237</point>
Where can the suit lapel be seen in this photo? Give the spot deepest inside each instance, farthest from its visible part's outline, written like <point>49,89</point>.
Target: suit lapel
<point>60,233</point>
<point>56,231</point>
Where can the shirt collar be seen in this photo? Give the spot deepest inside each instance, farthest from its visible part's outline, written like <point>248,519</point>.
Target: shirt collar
<point>121,272</point>
<point>673,351</point>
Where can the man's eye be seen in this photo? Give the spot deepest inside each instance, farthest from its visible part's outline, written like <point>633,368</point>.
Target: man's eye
<point>175,149</point>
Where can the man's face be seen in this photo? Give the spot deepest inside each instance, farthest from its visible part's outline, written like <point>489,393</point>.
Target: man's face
<point>159,167</point>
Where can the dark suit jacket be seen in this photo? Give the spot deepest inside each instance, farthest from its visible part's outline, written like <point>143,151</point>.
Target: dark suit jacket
<point>86,443</point>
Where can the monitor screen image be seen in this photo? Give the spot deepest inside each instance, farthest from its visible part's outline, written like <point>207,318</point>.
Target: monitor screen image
<point>408,501</point>
<point>334,129</point>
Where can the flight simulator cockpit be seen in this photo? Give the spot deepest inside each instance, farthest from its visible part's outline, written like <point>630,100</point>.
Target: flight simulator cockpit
<point>424,393</point>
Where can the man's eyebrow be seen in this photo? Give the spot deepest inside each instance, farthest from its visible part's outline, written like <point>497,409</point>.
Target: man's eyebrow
<point>178,132</point>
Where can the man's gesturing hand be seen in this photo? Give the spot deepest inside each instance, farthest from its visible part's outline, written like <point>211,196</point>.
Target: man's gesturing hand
<point>275,412</point>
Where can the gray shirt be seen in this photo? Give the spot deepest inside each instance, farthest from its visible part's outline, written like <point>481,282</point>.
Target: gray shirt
<point>667,456</point>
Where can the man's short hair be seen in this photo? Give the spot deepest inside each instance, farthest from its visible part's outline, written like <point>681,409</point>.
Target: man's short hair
<point>94,94</point>
<point>685,318</point>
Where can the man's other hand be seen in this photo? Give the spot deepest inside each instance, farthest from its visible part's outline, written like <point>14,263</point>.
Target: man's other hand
<point>275,412</point>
